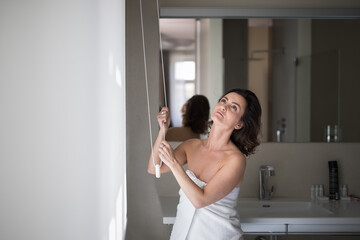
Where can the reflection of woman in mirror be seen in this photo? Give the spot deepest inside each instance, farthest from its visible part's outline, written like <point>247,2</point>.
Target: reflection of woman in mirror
<point>216,166</point>
<point>195,114</point>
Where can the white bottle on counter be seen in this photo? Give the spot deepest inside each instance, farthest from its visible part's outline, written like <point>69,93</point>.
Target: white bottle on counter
<point>313,192</point>
<point>344,192</point>
<point>321,190</point>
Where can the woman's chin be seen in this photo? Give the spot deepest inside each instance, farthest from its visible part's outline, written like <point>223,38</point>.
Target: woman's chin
<point>217,117</point>
<point>217,120</point>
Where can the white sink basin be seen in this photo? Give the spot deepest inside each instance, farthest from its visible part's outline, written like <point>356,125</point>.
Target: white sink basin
<point>279,208</point>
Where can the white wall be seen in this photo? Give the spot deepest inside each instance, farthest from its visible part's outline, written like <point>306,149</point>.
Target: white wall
<point>62,104</point>
<point>211,60</point>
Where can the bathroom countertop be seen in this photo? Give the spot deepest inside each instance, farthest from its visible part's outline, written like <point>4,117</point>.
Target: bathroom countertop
<point>288,216</point>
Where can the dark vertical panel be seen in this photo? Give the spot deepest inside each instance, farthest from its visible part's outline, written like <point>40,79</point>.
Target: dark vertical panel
<point>235,52</point>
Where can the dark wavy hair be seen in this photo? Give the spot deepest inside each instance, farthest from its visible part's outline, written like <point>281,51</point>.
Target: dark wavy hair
<point>196,114</point>
<point>246,138</point>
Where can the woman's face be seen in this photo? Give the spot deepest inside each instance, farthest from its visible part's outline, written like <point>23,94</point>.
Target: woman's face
<point>229,110</point>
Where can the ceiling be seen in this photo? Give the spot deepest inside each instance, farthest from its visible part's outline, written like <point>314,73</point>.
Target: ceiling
<point>178,34</point>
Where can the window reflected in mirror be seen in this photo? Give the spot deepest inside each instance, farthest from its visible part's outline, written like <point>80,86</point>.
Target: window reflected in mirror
<point>178,41</point>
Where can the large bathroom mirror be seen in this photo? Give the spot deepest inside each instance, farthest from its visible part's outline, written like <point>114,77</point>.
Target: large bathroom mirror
<point>305,70</point>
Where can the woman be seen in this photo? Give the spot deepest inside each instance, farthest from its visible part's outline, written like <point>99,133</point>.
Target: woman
<point>216,166</point>
<point>195,113</point>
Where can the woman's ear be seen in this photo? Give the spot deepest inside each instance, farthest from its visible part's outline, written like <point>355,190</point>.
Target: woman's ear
<point>239,125</point>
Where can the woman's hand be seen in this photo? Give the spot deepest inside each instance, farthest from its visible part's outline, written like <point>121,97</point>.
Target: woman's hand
<point>163,117</point>
<point>166,154</point>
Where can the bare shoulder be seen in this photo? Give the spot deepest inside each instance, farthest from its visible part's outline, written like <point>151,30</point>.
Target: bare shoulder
<point>191,143</point>
<point>236,159</point>
<point>234,166</point>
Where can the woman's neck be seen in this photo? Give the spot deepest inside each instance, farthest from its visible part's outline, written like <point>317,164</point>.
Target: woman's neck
<point>219,139</point>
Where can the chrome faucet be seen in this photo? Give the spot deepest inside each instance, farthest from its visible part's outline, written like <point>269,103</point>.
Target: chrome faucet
<point>266,171</point>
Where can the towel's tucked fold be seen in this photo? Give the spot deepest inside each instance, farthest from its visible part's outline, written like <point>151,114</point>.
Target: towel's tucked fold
<point>218,221</point>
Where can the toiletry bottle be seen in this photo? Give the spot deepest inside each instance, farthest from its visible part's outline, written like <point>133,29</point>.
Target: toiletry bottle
<point>336,133</point>
<point>313,192</point>
<point>321,190</point>
<point>333,181</point>
<point>344,191</point>
<point>328,133</point>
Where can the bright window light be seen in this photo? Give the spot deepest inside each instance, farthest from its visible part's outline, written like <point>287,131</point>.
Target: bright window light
<point>185,70</point>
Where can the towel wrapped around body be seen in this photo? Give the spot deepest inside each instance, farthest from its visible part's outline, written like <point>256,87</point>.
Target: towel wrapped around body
<point>218,221</point>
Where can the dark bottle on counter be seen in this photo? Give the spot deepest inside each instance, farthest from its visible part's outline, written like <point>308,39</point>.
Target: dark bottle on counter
<point>333,181</point>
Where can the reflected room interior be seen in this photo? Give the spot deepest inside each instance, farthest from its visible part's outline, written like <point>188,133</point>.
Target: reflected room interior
<point>304,71</point>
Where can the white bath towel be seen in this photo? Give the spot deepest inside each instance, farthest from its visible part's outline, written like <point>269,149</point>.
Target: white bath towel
<point>218,221</point>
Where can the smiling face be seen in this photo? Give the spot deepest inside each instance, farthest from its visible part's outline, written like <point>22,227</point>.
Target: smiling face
<point>229,110</point>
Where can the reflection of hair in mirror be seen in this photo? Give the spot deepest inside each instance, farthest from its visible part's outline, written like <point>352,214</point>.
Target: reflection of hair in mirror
<point>195,113</point>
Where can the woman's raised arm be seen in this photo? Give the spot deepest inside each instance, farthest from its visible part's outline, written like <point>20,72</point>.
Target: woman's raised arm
<point>163,118</point>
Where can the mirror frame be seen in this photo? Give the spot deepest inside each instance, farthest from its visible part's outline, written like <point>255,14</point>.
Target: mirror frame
<point>208,12</point>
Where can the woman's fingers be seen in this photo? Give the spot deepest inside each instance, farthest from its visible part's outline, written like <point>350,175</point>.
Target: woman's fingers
<point>166,153</point>
<point>163,116</point>
<point>164,157</point>
<point>168,147</point>
<point>164,150</point>
<point>166,144</point>
<point>166,109</point>
<point>164,112</point>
